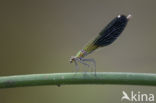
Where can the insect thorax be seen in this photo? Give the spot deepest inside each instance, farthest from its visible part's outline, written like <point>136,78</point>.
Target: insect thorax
<point>82,53</point>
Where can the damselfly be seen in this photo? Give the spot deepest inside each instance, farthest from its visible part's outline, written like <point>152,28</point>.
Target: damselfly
<point>107,36</point>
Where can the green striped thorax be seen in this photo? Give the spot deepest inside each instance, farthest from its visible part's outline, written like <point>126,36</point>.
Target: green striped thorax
<point>84,52</point>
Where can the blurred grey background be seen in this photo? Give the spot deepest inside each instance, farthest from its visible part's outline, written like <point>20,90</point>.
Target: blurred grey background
<point>40,36</point>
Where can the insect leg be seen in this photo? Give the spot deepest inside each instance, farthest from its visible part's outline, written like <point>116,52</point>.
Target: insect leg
<point>76,66</point>
<point>92,61</point>
<point>84,63</point>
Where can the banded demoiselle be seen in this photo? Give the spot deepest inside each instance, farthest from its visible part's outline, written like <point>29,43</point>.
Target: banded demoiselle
<point>106,37</point>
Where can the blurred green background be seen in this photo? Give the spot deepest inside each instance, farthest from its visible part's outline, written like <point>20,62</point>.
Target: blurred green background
<point>40,36</point>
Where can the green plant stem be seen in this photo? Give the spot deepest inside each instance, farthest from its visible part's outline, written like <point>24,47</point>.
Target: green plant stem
<point>60,79</point>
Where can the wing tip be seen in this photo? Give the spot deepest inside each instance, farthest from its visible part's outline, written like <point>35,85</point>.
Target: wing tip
<point>129,16</point>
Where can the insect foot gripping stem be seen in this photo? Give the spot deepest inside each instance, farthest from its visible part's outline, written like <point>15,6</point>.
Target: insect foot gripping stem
<point>92,61</point>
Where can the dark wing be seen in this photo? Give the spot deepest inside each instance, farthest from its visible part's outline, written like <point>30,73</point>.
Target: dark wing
<point>110,33</point>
